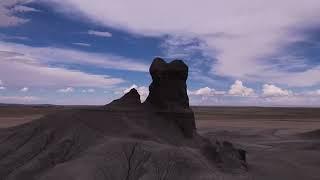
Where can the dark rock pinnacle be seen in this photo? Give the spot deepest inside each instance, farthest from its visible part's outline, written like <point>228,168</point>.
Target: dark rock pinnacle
<point>168,93</point>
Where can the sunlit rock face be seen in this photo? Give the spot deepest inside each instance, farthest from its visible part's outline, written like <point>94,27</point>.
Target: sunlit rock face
<point>168,93</point>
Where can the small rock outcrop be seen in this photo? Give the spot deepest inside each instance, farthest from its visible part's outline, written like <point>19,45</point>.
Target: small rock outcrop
<point>168,93</point>
<point>131,99</point>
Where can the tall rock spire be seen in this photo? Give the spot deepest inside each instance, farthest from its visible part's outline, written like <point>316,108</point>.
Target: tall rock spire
<point>168,93</point>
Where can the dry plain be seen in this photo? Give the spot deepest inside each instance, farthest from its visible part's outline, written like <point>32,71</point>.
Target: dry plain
<point>281,143</point>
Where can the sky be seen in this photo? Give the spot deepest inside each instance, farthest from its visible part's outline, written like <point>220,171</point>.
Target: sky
<point>239,53</point>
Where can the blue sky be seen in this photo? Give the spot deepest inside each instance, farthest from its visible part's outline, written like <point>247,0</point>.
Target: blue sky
<point>261,53</point>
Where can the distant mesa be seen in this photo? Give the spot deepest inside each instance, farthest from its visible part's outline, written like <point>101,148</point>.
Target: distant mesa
<point>125,139</point>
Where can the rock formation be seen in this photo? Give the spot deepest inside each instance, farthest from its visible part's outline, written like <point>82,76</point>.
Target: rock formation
<point>130,100</point>
<point>124,140</point>
<point>168,89</point>
<point>168,93</point>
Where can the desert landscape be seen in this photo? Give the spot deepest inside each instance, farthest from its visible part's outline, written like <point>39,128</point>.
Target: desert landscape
<point>125,139</point>
<point>161,138</point>
<point>159,90</point>
<point>281,143</point>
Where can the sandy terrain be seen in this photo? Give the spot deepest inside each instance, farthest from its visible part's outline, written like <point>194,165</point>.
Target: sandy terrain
<point>275,150</point>
<point>269,135</point>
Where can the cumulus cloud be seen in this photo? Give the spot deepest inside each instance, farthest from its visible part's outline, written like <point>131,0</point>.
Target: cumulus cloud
<point>66,90</point>
<point>25,89</point>
<point>206,91</point>
<point>240,95</point>
<point>1,83</point>
<point>270,90</point>
<point>238,89</point>
<point>100,33</point>
<point>240,36</point>
<point>142,90</point>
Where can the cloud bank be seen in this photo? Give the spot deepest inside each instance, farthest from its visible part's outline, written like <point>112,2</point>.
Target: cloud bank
<point>240,36</point>
<point>34,73</point>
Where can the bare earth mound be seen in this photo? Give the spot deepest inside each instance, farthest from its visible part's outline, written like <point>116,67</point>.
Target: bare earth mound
<point>125,140</point>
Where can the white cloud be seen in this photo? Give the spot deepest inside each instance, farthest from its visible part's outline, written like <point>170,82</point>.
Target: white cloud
<point>82,44</point>
<point>142,90</point>
<point>238,89</point>
<point>88,90</point>
<point>38,75</point>
<point>240,35</point>
<point>270,90</point>
<point>206,91</point>
<point>100,33</point>
<point>1,83</point>
<point>19,99</point>
<point>66,90</point>
<point>32,63</point>
<point>25,89</point>
<point>71,56</point>
<point>271,95</point>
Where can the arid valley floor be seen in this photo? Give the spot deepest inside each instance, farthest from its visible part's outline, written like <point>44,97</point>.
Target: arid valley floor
<point>278,141</point>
